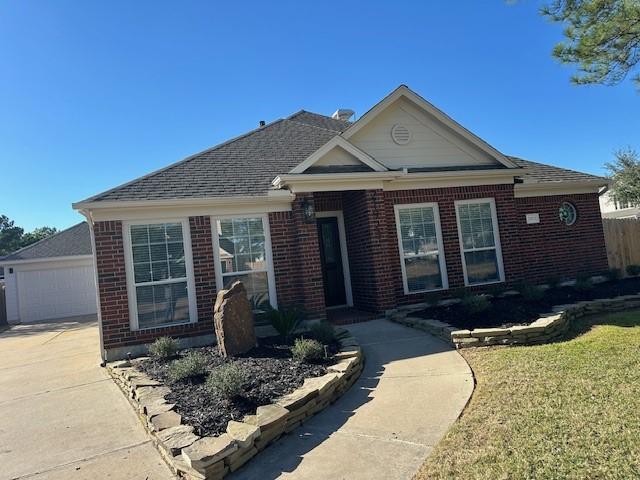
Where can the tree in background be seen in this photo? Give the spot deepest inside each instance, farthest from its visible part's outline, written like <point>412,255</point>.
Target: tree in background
<point>13,237</point>
<point>602,38</point>
<point>625,175</point>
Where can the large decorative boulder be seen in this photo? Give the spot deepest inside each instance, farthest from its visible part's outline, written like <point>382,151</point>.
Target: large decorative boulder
<point>233,317</point>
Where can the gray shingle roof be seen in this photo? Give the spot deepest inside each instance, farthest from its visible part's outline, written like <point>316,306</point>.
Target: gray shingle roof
<point>71,242</point>
<point>246,165</point>
<point>542,173</point>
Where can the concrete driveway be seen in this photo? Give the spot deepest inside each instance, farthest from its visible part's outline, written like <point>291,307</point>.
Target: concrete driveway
<point>412,389</point>
<point>61,416</point>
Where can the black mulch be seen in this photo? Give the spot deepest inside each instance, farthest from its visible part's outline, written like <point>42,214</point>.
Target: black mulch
<point>271,373</point>
<point>510,311</point>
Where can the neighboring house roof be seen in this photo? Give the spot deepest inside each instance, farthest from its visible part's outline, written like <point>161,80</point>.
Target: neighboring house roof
<point>542,173</point>
<point>247,165</point>
<point>73,241</point>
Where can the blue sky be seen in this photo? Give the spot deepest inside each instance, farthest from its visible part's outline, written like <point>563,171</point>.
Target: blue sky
<point>93,94</point>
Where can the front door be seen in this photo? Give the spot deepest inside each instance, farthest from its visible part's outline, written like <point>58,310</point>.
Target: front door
<point>331,259</point>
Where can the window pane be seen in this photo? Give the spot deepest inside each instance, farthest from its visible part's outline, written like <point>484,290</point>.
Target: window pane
<point>482,266</point>
<point>418,230</point>
<point>174,232</point>
<point>242,244</point>
<point>140,253</point>
<point>139,235</point>
<point>159,271</point>
<point>162,304</point>
<point>256,284</point>
<point>423,273</point>
<point>142,272</point>
<point>476,225</point>
<point>158,252</point>
<point>156,233</point>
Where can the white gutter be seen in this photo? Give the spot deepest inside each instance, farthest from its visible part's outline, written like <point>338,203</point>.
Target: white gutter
<point>44,259</point>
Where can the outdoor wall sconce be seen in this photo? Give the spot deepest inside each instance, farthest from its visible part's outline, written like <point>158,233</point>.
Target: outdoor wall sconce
<point>309,212</point>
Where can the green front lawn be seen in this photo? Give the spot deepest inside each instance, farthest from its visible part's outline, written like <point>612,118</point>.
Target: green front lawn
<point>569,410</point>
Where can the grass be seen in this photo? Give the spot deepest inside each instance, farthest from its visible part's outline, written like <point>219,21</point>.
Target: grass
<point>568,410</point>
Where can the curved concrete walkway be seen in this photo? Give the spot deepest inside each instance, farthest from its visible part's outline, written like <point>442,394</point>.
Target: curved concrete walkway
<point>412,389</point>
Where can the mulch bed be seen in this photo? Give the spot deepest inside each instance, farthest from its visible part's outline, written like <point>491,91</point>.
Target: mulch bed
<point>510,311</point>
<point>271,373</point>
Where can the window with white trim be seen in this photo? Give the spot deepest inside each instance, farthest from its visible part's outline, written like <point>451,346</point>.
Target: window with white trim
<point>160,275</point>
<point>421,251</point>
<point>479,241</point>
<point>243,254</point>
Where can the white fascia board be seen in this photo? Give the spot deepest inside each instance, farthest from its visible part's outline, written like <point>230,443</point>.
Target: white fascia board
<point>404,91</point>
<point>69,258</point>
<point>275,201</point>
<point>546,189</point>
<point>391,180</point>
<point>349,147</point>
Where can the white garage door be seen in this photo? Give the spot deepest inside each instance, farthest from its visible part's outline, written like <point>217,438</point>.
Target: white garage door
<point>56,293</point>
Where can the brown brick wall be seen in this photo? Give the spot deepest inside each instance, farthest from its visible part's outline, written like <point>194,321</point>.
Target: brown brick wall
<point>553,249</point>
<point>112,286</point>
<point>327,201</point>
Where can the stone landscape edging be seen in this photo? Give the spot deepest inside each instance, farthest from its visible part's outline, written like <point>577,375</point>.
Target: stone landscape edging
<point>548,327</point>
<point>211,458</point>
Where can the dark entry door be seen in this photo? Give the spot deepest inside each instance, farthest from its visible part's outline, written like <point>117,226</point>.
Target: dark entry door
<point>331,258</point>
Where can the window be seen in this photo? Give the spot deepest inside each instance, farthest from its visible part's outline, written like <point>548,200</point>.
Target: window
<point>421,252</point>
<point>479,241</point>
<point>159,274</point>
<point>244,253</point>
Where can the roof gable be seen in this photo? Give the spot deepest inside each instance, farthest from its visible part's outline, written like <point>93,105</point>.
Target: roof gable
<point>433,138</point>
<point>338,152</point>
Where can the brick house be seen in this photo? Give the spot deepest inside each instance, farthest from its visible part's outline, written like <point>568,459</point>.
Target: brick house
<point>322,212</point>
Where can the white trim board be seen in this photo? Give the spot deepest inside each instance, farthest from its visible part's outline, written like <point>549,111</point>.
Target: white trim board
<point>496,237</point>
<point>339,142</point>
<point>343,251</point>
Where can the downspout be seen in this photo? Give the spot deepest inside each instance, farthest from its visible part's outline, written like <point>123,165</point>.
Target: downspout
<point>87,215</point>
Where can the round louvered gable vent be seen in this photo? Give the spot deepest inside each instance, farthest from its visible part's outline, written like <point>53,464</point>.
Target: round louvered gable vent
<point>400,134</point>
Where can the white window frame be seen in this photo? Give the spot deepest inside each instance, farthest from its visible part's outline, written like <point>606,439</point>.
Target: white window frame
<point>496,237</point>
<point>441,257</point>
<point>131,284</point>
<point>271,278</point>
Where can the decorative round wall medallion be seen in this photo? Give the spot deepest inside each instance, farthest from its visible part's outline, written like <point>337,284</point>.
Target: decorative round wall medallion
<point>400,134</point>
<point>568,213</point>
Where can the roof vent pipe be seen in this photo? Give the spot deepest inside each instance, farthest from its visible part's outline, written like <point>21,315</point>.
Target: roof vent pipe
<point>262,123</point>
<point>343,114</point>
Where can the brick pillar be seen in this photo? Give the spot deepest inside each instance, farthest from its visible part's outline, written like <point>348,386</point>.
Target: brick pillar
<point>367,232</point>
<point>308,257</point>
<point>203,268</point>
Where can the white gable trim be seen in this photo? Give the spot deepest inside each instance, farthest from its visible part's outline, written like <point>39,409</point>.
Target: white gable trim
<point>406,92</point>
<point>349,147</point>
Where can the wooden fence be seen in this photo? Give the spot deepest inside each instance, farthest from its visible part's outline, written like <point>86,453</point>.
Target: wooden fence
<point>622,236</point>
<point>3,305</point>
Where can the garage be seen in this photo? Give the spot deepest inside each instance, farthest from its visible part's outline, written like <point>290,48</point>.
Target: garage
<point>53,278</point>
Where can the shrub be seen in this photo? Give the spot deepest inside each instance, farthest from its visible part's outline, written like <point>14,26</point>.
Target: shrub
<point>633,270</point>
<point>496,290</point>
<point>285,321</point>
<point>192,365</point>
<point>226,381</point>
<point>307,350</point>
<point>475,304</point>
<point>613,274</point>
<point>530,292</point>
<point>552,282</point>
<point>583,283</point>
<point>323,332</point>
<point>164,348</point>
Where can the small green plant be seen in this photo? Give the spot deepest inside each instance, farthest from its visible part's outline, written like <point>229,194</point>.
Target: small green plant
<point>459,293</point>
<point>633,270</point>
<point>323,332</point>
<point>475,304</point>
<point>307,350</point>
<point>164,348</point>
<point>285,320</point>
<point>613,274</point>
<point>584,283</point>
<point>552,282</point>
<point>530,292</point>
<point>226,381</point>
<point>191,366</point>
